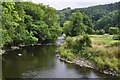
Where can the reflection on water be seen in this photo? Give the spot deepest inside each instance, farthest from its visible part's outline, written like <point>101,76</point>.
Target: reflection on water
<point>40,62</point>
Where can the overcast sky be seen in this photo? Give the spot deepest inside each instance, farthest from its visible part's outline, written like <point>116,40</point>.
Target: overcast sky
<point>60,4</point>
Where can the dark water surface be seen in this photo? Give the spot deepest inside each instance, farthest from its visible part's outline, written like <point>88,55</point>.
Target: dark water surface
<point>41,62</point>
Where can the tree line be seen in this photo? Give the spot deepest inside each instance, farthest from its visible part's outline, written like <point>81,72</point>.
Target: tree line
<point>104,17</point>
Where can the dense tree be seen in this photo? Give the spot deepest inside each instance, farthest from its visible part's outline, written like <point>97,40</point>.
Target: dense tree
<point>77,24</point>
<point>64,15</point>
<point>87,21</point>
<point>28,23</point>
<point>113,30</point>
<point>108,21</point>
<point>67,27</point>
<point>95,13</point>
<point>9,21</point>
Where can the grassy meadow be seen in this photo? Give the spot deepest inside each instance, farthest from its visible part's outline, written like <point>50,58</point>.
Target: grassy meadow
<point>104,53</point>
<point>103,39</point>
<point>107,52</point>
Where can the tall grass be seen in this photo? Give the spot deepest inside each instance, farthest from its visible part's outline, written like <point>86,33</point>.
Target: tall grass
<point>66,53</point>
<point>104,57</point>
<point>105,52</point>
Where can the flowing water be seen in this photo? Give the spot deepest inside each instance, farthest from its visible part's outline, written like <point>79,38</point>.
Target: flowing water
<point>41,62</point>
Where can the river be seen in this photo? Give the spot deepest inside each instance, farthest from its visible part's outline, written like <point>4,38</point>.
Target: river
<point>41,62</point>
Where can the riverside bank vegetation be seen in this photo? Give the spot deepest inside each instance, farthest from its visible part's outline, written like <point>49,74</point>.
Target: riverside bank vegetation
<point>92,33</point>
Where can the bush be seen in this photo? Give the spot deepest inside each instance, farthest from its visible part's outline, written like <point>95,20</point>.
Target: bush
<point>74,45</point>
<point>116,37</point>
<point>100,32</point>
<point>69,56</point>
<point>100,62</point>
<point>69,42</point>
<point>97,32</point>
<point>87,40</point>
<point>66,53</point>
<point>113,30</point>
<point>78,43</point>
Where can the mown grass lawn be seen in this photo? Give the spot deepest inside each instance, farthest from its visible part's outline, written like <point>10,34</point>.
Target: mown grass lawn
<point>103,39</point>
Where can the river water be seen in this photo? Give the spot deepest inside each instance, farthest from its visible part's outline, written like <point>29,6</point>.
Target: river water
<point>41,62</point>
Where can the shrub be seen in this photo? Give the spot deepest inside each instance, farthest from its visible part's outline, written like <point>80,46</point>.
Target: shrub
<point>69,56</point>
<point>113,30</point>
<point>69,42</point>
<point>87,40</point>
<point>66,53</point>
<point>78,43</point>
<point>116,37</point>
<point>100,32</point>
<point>112,64</point>
<point>97,32</point>
<point>100,62</point>
<point>74,45</point>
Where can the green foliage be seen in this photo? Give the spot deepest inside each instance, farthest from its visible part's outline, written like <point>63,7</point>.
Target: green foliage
<point>113,30</point>
<point>105,62</point>
<point>69,42</point>
<point>100,62</point>
<point>74,45</point>
<point>104,58</point>
<point>96,12</point>
<point>67,27</point>
<point>103,40</point>
<point>108,20</point>
<point>5,38</point>
<point>77,43</point>
<point>87,40</point>
<point>116,37</point>
<point>103,17</point>
<point>100,32</point>
<point>66,53</point>
<point>64,15</point>
<point>28,23</point>
<point>77,24</point>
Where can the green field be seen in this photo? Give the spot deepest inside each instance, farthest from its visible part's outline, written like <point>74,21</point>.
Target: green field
<point>104,39</point>
<point>104,52</point>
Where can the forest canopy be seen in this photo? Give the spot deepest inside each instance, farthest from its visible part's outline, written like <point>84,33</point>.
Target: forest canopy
<point>28,23</point>
<point>101,17</point>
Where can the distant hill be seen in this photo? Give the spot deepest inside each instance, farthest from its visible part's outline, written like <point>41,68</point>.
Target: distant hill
<point>110,20</point>
<point>94,12</point>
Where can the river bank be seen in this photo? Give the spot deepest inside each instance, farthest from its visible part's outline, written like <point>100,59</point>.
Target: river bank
<point>2,51</point>
<point>103,55</point>
<point>88,64</point>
